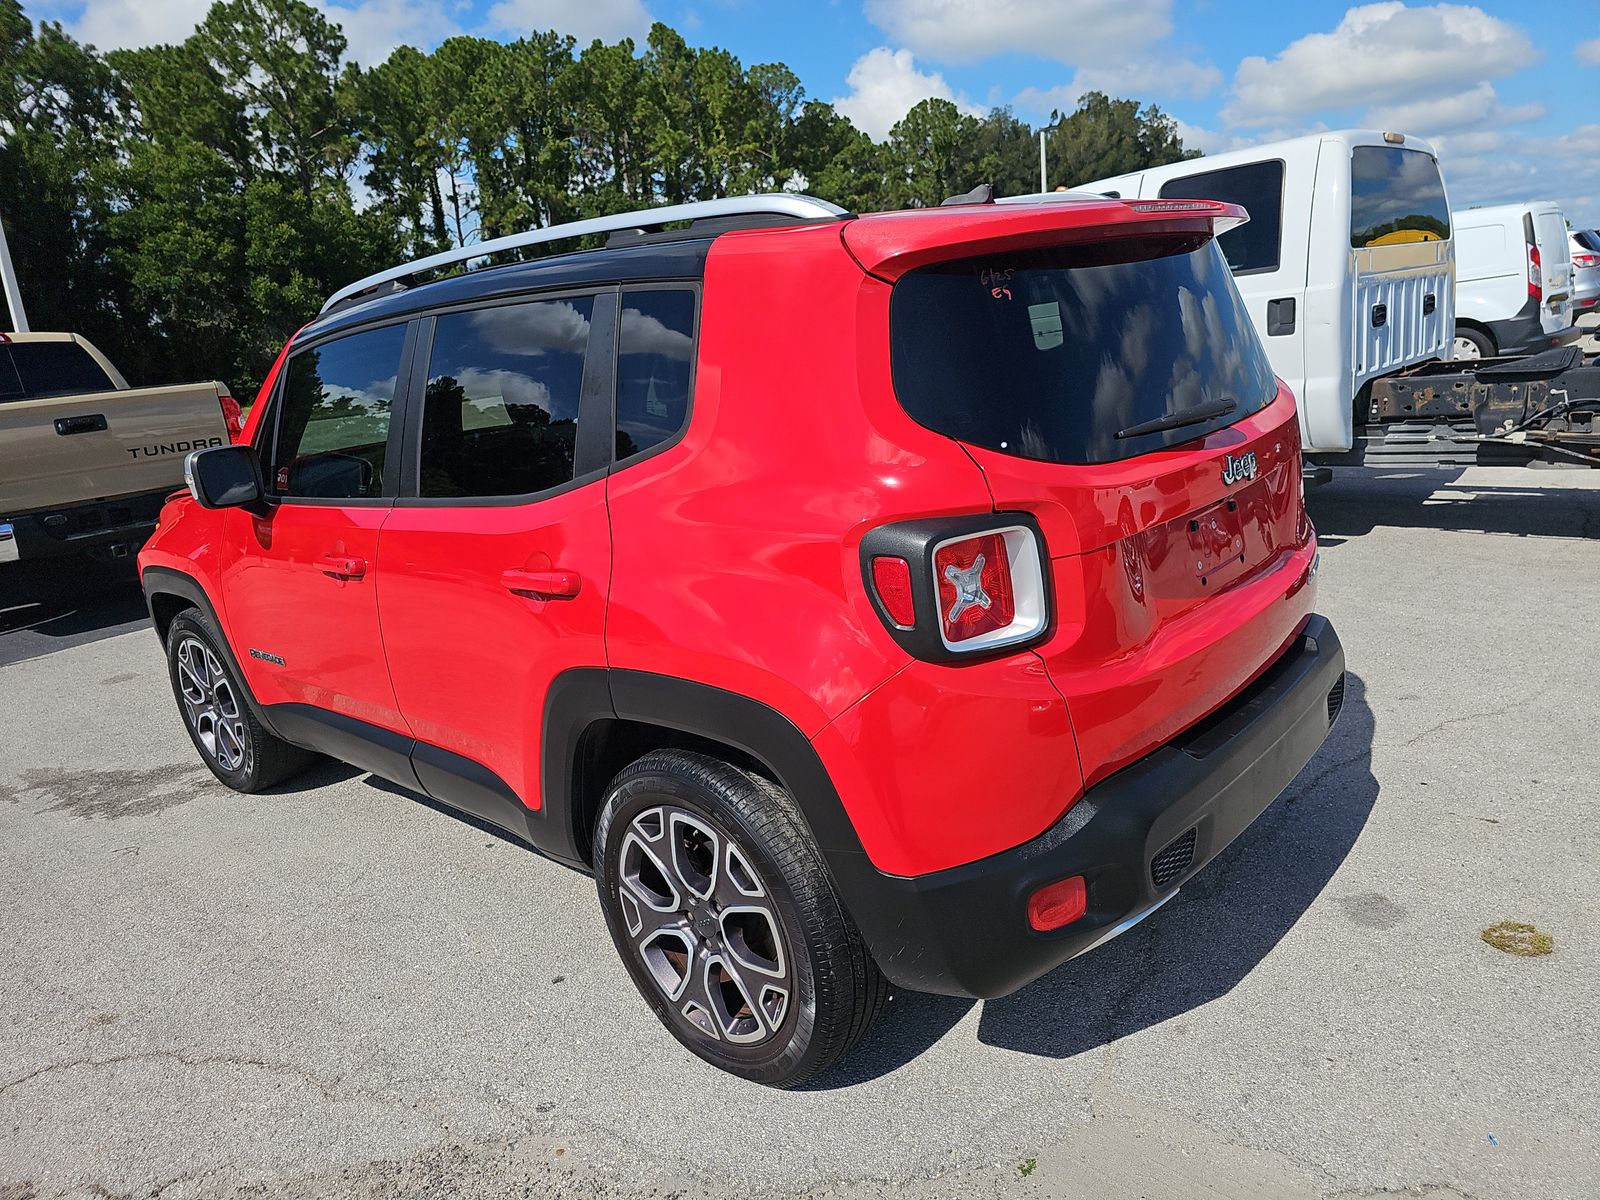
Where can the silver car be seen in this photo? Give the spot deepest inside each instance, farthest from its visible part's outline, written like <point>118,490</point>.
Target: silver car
<point>1585,270</point>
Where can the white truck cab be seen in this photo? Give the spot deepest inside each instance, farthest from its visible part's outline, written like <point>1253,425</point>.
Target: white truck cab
<point>1514,286</point>
<point>1347,264</point>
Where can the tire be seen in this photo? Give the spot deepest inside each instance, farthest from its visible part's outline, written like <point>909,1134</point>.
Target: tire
<point>1473,343</point>
<point>212,701</point>
<point>783,985</point>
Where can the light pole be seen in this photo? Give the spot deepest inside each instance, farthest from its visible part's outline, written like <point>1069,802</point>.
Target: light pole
<point>1043,186</point>
<point>8,274</point>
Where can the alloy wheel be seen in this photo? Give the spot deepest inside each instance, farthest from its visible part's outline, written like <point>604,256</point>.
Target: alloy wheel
<point>211,705</point>
<point>703,922</point>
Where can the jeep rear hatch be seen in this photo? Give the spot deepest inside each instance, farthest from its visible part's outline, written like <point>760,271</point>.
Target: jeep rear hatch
<point>1108,381</point>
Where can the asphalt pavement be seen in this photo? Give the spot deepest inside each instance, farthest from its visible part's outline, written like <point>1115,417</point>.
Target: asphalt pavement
<point>337,989</point>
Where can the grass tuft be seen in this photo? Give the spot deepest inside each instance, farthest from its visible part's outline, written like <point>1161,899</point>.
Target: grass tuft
<point>1518,937</point>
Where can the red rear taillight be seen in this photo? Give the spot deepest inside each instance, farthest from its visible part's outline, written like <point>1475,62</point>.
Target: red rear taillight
<point>892,579</point>
<point>950,588</point>
<point>1584,261</point>
<point>1057,904</point>
<point>1535,275</point>
<point>232,416</point>
<point>974,581</point>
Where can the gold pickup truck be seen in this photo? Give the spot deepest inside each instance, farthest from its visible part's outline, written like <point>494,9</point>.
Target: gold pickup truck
<point>85,460</point>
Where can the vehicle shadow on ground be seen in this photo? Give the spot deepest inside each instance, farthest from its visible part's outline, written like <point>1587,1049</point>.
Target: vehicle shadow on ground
<point>68,598</point>
<point>1221,924</point>
<point>1546,505</point>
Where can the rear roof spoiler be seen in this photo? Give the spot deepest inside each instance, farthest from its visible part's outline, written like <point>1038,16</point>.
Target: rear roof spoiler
<point>888,245</point>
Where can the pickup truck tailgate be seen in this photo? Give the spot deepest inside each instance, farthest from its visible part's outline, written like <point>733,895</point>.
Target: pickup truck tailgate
<point>58,451</point>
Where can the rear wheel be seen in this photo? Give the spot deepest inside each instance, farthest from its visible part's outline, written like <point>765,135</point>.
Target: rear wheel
<point>1472,343</point>
<point>236,746</point>
<point>721,909</point>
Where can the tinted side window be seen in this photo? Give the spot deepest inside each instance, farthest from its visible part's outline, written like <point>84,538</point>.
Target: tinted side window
<point>655,357</point>
<point>54,369</point>
<point>500,417</point>
<point>333,426</point>
<point>1258,188</point>
<point>1396,196</point>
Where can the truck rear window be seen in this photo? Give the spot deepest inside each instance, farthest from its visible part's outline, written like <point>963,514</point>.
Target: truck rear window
<point>1396,196</point>
<point>1049,354</point>
<point>29,370</point>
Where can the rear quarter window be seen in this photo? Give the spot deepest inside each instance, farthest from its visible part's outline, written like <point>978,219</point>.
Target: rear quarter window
<point>1396,197</point>
<point>1256,245</point>
<point>1049,354</point>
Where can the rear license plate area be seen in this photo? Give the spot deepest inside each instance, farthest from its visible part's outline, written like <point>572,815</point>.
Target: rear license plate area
<point>1216,543</point>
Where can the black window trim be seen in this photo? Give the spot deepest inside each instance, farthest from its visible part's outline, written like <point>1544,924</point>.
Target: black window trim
<point>268,432</point>
<point>592,449</point>
<point>1283,188</point>
<point>657,285</point>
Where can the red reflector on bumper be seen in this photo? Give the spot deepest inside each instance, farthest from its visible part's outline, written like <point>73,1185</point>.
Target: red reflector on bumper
<point>1057,904</point>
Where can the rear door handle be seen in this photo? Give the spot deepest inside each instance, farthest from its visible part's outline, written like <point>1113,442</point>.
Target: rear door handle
<point>86,423</point>
<point>1280,316</point>
<point>554,584</point>
<point>342,566</point>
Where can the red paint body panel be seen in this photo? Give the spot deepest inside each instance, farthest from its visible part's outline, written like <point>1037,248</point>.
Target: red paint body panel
<point>281,599</point>
<point>1158,621</point>
<point>471,659</point>
<point>946,764</point>
<point>736,549</point>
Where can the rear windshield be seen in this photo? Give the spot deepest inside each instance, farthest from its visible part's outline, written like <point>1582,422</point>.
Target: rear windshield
<point>1589,239</point>
<point>1049,354</point>
<point>1396,196</point>
<point>32,369</point>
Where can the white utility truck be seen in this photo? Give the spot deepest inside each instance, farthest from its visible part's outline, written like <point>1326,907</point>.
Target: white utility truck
<point>1347,264</point>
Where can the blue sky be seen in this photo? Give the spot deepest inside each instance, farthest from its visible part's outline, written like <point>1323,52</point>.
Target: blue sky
<point>1509,93</point>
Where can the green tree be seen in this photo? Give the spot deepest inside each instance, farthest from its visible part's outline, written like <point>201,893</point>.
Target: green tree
<point>1103,137</point>
<point>932,154</point>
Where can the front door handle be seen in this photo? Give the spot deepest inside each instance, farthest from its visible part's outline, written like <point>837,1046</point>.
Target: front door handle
<point>342,566</point>
<point>554,584</point>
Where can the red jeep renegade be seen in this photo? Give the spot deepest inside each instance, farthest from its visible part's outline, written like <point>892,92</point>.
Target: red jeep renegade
<point>909,599</point>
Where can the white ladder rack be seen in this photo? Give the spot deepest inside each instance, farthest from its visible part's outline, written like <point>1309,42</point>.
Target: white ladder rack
<point>782,204</point>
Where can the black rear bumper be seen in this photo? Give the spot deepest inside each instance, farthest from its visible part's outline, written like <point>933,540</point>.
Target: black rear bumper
<point>1135,838</point>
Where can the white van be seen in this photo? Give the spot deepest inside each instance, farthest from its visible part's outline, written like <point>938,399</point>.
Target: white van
<point>1346,264</point>
<point>1513,279</point>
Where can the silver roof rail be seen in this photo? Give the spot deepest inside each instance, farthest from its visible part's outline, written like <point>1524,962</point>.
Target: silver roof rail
<point>783,204</point>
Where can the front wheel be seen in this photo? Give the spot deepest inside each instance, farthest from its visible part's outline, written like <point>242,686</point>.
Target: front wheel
<point>718,902</point>
<point>237,748</point>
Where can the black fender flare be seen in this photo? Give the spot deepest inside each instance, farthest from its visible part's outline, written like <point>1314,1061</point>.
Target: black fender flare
<point>164,581</point>
<point>582,696</point>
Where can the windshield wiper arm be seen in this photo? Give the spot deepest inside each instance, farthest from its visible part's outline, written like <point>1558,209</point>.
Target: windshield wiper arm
<point>1177,420</point>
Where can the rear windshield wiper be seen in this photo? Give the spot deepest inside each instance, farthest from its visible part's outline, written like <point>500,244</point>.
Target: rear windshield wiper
<point>1177,420</point>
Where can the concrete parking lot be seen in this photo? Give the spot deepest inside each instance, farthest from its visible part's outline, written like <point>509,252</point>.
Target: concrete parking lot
<point>337,989</point>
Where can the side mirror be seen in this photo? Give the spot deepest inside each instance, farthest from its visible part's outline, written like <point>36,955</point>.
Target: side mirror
<point>224,477</point>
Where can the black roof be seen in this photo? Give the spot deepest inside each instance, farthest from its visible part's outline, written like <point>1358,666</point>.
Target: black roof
<point>642,261</point>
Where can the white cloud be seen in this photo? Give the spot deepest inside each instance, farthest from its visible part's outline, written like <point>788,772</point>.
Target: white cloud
<point>1474,108</point>
<point>1386,49</point>
<point>1149,78</point>
<point>1588,53</point>
<point>372,27</point>
<point>885,84</point>
<point>585,20</point>
<point>118,24</point>
<point>1071,31</point>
